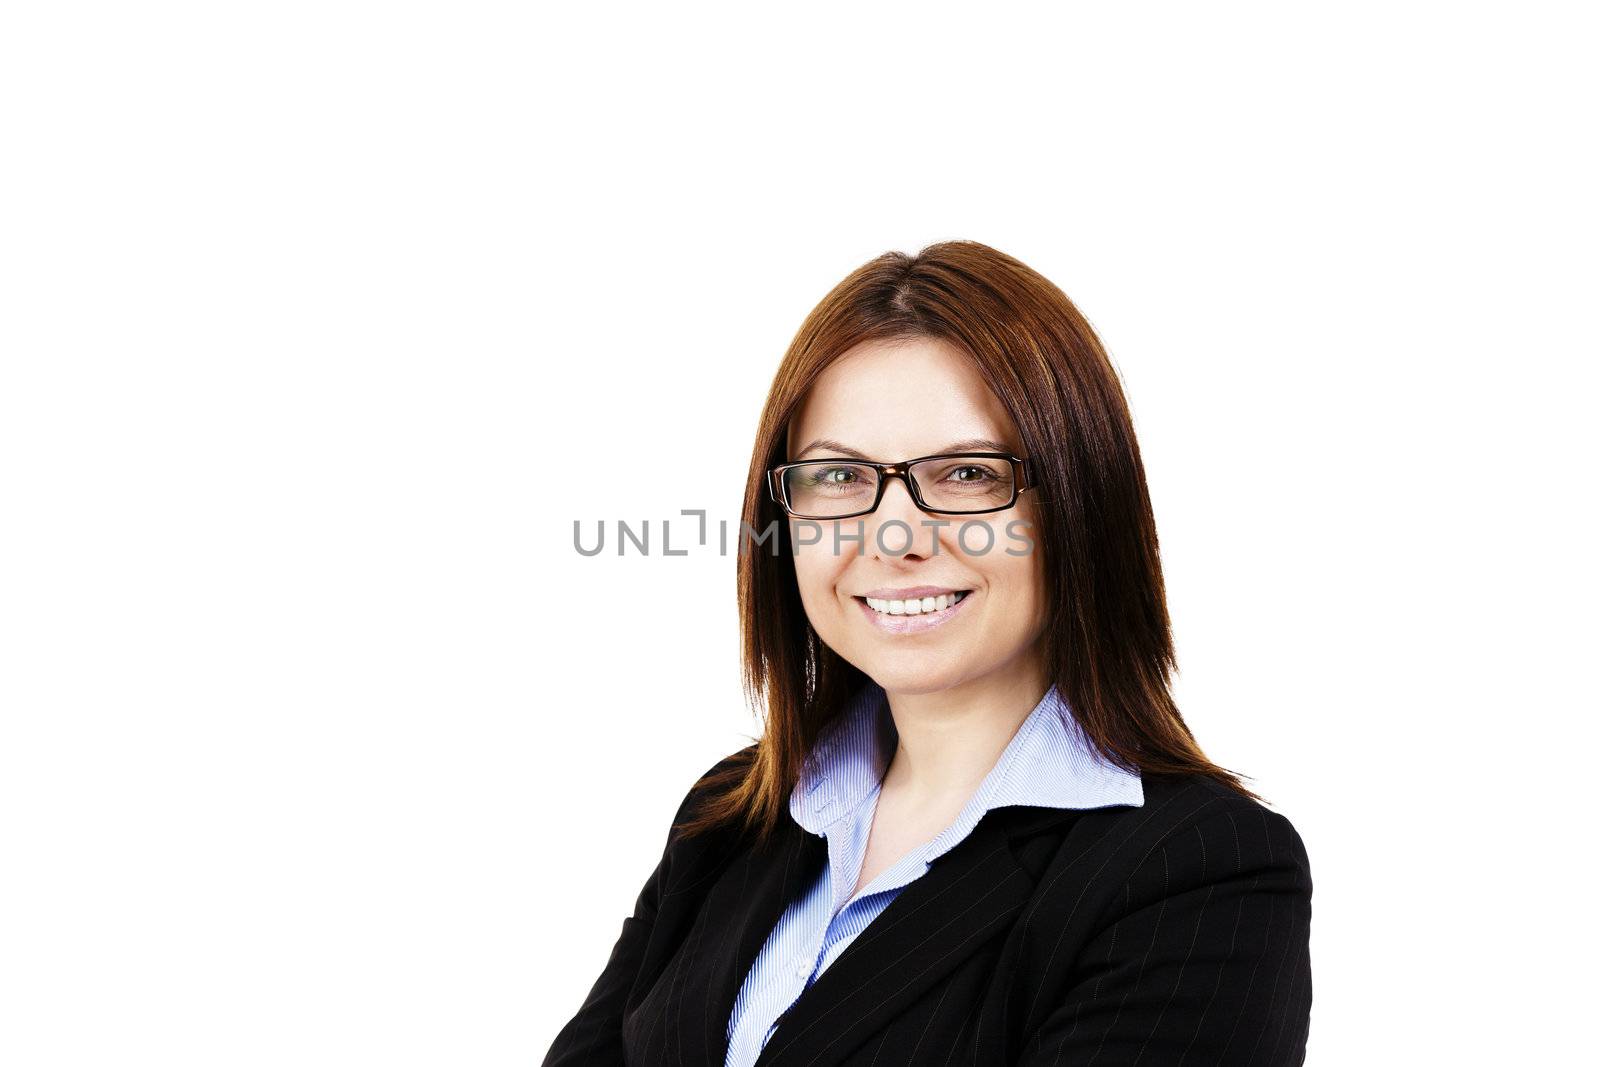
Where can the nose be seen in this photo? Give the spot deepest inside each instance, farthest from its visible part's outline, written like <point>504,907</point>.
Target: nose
<point>896,508</point>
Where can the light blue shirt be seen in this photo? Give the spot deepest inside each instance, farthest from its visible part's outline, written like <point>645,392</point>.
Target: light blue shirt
<point>1047,763</point>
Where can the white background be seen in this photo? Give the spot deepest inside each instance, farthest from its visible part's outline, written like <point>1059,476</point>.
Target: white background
<point>322,322</point>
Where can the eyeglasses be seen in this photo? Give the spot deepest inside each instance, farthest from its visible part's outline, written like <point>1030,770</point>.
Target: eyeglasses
<point>957,483</point>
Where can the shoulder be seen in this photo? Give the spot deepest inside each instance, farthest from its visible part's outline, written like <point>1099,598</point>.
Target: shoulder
<point>1185,805</point>
<point>1193,814</point>
<point>721,775</point>
<point>1195,833</point>
<point>724,768</point>
<point>1193,839</point>
<point>1179,928</point>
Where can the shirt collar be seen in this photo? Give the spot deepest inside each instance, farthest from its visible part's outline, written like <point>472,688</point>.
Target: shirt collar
<point>1048,762</point>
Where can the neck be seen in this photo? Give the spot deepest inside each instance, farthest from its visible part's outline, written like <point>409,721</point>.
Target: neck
<point>951,738</point>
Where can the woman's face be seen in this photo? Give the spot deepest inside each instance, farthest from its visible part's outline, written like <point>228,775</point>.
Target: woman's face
<point>889,401</point>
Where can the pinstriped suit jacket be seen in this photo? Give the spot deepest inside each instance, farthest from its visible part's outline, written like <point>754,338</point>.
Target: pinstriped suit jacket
<point>1176,933</point>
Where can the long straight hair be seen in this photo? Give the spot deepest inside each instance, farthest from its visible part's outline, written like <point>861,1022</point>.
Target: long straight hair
<point>1107,641</point>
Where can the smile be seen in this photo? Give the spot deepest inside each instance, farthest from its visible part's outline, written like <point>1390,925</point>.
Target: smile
<point>917,606</point>
<point>911,615</point>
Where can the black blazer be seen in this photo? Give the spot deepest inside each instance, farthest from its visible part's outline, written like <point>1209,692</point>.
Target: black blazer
<point>1176,933</point>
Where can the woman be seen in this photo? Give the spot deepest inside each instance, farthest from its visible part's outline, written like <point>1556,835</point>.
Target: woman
<point>975,829</point>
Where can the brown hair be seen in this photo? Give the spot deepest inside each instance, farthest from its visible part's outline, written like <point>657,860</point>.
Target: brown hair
<point>1108,639</point>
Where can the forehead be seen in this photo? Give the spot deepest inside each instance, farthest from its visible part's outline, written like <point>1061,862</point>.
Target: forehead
<point>896,399</point>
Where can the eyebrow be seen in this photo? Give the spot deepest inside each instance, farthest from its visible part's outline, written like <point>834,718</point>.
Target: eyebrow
<point>970,444</point>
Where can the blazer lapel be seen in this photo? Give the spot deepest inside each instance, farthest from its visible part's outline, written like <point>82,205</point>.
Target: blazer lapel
<point>739,913</point>
<point>967,896</point>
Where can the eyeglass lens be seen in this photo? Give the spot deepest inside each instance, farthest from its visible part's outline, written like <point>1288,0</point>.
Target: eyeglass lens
<point>950,484</point>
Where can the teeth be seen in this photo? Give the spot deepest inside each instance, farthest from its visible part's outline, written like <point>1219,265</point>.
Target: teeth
<point>914,607</point>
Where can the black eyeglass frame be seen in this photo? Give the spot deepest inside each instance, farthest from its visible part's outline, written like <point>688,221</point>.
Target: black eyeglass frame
<point>1021,481</point>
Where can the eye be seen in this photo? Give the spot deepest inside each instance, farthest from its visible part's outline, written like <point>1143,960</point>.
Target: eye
<point>972,473</point>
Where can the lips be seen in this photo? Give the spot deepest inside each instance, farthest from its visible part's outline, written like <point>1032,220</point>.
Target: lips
<point>914,605</point>
<point>913,615</point>
<point>908,592</point>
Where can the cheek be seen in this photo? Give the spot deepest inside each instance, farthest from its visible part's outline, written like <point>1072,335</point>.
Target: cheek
<point>810,575</point>
<point>1013,576</point>
<point>1017,578</point>
<point>1029,578</point>
<point>817,570</point>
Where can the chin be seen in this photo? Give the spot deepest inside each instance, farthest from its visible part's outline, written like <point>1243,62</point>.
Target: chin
<point>913,672</point>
